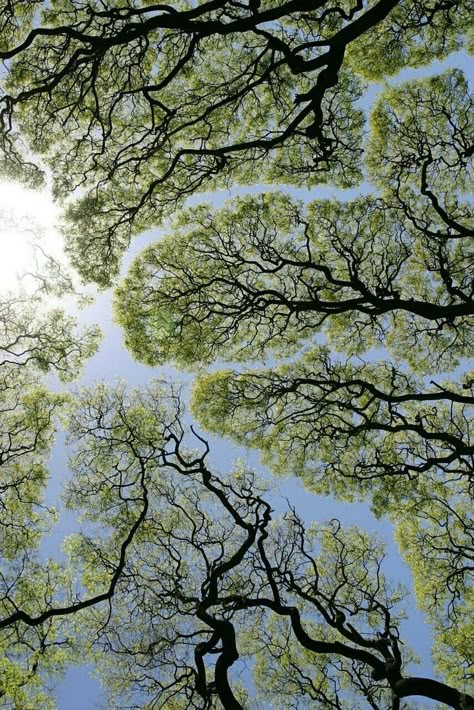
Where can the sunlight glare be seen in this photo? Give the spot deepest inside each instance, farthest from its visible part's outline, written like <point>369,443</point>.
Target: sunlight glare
<point>28,222</point>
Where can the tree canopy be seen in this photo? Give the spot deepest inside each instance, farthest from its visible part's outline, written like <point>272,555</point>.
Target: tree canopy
<point>142,105</point>
<point>35,339</point>
<point>207,565</point>
<point>339,333</point>
<point>361,310</point>
<point>186,573</point>
<point>264,274</point>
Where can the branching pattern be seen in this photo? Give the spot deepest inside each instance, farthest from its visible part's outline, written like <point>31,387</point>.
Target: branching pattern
<point>144,105</point>
<point>209,565</point>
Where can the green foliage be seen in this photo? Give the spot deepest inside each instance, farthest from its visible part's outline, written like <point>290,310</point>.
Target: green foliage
<point>32,657</point>
<point>37,338</point>
<point>141,108</point>
<point>265,275</point>
<point>434,531</point>
<point>384,50</point>
<point>207,553</point>
<point>34,341</point>
<point>420,150</point>
<point>359,305</point>
<point>324,419</point>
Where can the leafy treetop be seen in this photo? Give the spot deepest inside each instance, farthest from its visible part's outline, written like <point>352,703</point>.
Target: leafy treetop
<point>142,105</point>
<point>264,274</point>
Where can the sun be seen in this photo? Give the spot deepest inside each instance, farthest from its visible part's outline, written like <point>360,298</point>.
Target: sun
<point>28,230</point>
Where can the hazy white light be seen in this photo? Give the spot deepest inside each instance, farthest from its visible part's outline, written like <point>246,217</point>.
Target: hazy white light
<point>28,222</point>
